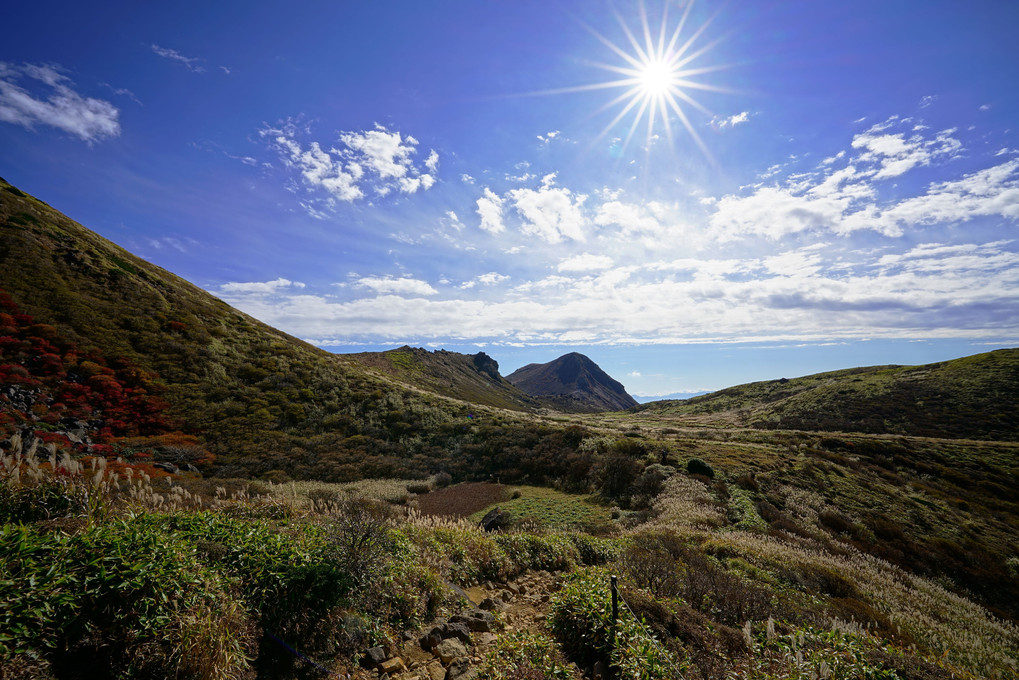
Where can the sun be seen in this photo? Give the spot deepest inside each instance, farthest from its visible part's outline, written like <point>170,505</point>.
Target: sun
<point>657,73</point>
<point>655,78</point>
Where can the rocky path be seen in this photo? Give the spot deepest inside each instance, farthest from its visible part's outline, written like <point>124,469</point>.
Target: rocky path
<point>452,649</point>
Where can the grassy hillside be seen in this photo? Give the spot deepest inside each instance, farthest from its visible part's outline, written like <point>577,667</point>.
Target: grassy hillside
<point>265,403</point>
<point>975,397</point>
<point>473,378</point>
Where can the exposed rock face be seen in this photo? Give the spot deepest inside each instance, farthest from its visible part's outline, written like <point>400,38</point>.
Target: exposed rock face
<point>573,383</point>
<point>487,365</point>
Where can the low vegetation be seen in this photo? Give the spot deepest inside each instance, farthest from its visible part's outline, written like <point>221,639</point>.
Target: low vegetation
<point>186,492</point>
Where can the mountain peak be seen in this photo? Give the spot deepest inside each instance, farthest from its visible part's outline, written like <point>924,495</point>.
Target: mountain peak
<point>573,382</point>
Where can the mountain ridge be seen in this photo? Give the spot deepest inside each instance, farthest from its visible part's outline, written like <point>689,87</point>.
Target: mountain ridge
<point>573,382</point>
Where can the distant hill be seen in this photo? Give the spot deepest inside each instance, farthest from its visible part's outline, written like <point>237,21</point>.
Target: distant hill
<point>573,383</point>
<point>470,377</point>
<point>644,398</point>
<point>975,397</point>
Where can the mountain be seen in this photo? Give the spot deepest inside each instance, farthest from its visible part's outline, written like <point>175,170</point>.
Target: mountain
<point>470,377</point>
<point>573,383</point>
<point>975,397</point>
<point>265,404</point>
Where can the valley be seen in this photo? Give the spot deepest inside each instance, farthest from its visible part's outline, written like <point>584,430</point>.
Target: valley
<point>188,492</point>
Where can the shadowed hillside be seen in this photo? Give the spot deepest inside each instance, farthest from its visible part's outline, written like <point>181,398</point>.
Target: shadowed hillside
<point>573,383</point>
<point>975,397</point>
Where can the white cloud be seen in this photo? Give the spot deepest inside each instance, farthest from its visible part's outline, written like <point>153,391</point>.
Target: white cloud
<point>930,291</point>
<point>928,100</point>
<point>374,160</point>
<point>845,199</point>
<point>585,262</point>
<point>551,213</point>
<point>632,219</point>
<point>722,122</point>
<point>548,136</point>
<point>489,279</point>
<point>895,155</point>
<point>191,63</point>
<point>260,287</point>
<point>490,212</point>
<point>395,286</point>
<point>85,117</point>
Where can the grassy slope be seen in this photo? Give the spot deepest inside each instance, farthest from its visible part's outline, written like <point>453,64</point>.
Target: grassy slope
<point>459,376</point>
<point>265,402</point>
<point>975,397</point>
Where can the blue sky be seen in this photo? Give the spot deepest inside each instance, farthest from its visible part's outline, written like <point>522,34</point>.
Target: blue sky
<point>822,185</point>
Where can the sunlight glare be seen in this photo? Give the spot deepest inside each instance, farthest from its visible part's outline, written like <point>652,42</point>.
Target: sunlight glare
<point>657,75</point>
<point>655,78</point>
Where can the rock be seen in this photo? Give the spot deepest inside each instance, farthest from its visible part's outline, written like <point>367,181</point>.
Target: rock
<point>506,596</point>
<point>495,520</point>
<point>477,621</point>
<point>394,665</point>
<point>430,641</point>
<point>450,649</point>
<point>513,588</point>
<point>374,657</point>
<point>461,670</point>
<point>599,671</point>
<point>166,467</point>
<point>460,631</point>
<point>523,589</point>
<point>491,604</point>
<point>435,671</point>
<point>407,635</point>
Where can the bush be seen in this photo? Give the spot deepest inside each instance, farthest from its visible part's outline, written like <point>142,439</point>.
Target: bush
<point>119,599</point>
<point>696,466</point>
<point>524,656</point>
<point>581,619</point>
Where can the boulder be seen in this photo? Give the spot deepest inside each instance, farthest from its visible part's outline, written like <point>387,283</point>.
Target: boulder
<point>460,631</point>
<point>461,670</point>
<point>495,520</point>
<point>392,666</point>
<point>450,649</point>
<point>374,657</point>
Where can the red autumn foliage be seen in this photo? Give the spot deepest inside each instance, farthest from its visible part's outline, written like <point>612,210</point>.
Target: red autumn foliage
<point>51,386</point>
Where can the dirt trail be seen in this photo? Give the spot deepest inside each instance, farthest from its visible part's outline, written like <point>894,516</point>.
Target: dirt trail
<point>520,605</point>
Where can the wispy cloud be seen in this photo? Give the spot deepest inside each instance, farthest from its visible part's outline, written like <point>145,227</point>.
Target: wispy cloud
<point>32,95</point>
<point>376,161</point>
<point>842,195</point>
<point>190,63</point>
<point>395,286</point>
<point>723,122</point>
<point>259,287</point>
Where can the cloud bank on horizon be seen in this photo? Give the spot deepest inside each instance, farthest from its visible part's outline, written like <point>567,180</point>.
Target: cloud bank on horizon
<point>377,175</point>
<point>835,249</point>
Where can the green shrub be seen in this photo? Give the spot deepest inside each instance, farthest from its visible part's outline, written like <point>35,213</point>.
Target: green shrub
<point>594,551</point>
<point>522,655</point>
<point>550,552</point>
<point>581,620</point>
<point>118,600</point>
<point>696,466</point>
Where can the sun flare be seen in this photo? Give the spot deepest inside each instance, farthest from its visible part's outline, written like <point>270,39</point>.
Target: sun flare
<point>655,78</point>
<point>658,72</point>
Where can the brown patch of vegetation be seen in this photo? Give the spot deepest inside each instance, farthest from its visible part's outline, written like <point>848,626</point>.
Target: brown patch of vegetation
<point>462,500</point>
